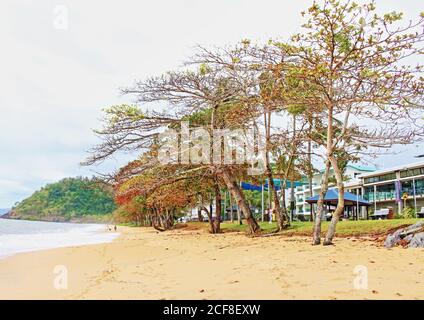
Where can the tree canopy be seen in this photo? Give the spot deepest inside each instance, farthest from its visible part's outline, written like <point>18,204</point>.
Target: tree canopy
<point>343,88</point>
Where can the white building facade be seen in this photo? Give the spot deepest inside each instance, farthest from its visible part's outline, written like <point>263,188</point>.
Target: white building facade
<point>393,188</point>
<point>352,174</point>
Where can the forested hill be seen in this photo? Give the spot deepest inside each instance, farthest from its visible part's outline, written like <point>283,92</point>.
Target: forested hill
<point>71,199</point>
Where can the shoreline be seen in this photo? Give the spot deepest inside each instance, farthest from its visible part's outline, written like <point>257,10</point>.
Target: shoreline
<point>23,236</point>
<point>142,263</point>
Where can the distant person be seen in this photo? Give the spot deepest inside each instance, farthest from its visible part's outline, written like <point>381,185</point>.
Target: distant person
<point>114,228</point>
<point>270,215</point>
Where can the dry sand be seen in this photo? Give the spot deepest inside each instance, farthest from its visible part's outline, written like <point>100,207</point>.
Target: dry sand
<point>145,264</point>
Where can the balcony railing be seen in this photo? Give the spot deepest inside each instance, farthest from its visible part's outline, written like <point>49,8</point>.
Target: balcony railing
<point>391,195</point>
<point>380,196</point>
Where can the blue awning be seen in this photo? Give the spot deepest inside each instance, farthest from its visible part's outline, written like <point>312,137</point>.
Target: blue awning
<point>252,187</point>
<point>277,182</point>
<point>332,197</point>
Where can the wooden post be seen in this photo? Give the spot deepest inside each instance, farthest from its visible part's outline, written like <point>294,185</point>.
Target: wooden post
<point>231,208</point>
<point>225,205</point>
<point>262,202</point>
<point>269,197</point>
<point>239,210</point>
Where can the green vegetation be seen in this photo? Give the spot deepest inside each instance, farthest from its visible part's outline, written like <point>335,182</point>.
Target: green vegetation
<point>345,228</point>
<point>222,93</point>
<point>407,213</point>
<point>79,199</point>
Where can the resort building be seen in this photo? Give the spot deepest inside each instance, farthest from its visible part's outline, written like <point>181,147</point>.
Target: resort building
<point>351,175</point>
<point>392,188</point>
<point>395,187</point>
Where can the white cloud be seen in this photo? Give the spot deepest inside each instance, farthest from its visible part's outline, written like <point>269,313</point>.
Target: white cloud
<point>53,83</point>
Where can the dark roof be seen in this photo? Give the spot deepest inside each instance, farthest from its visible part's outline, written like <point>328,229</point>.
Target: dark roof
<point>331,197</point>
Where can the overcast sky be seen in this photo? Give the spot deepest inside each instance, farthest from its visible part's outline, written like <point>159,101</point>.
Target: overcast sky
<point>62,62</point>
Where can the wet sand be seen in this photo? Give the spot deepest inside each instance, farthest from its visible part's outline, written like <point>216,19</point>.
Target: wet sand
<point>182,264</point>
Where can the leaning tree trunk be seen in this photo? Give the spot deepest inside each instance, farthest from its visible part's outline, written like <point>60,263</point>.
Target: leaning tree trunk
<point>169,219</point>
<point>310,177</point>
<point>324,182</point>
<point>310,168</point>
<point>211,224</point>
<point>239,220</point>
<point>320,205</point>
<point>340,204</point>
<point>235,190</point>
<point>217,222</point>
<point>163,221</point>
<point>282,219</point>
<point>231,208</point>
<point>283,205</point>
<point>292,199</point>
<point>157,221</point>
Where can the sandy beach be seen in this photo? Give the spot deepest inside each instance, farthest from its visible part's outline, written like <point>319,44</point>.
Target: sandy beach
<point>191,264</point>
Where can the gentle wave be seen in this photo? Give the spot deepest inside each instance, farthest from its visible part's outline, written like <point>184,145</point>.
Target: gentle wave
<point>17,236</point>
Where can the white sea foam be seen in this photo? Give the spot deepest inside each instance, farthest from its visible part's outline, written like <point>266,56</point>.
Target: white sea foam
<point>18,236</point>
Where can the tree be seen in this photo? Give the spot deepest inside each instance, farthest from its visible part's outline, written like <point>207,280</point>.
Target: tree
<point>259,73</point>
<point>344,83</point>
<point>155,195</point>
<point>206,90</point>
<point>354,63</point>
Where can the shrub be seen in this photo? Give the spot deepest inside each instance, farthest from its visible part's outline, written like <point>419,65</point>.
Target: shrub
<point>407,213</point>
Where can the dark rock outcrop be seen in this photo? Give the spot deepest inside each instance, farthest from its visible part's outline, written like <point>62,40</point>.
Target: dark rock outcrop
<point>417,241</point>
<point>411,237</point>
<point>393,239</point>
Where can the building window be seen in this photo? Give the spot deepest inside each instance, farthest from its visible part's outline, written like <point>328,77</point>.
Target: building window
<point>419,187</point>
<point>408,187</point>
<point>385,177</point>
<point>369,194</point>
<point>412,172</point>
<point>384,193</point>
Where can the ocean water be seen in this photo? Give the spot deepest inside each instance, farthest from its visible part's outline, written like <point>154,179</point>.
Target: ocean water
<point>18,236</point>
